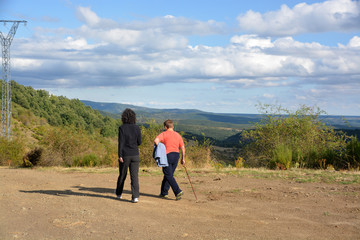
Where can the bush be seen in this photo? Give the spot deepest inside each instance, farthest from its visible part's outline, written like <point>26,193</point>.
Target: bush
<point>198,154</point>
<point>292,138</point>
<point>65,145</point>
<point>239,162</point>
<point>353,153</point>
<point>62,143</point>
<point>90,160</point>
<point>11,152</point>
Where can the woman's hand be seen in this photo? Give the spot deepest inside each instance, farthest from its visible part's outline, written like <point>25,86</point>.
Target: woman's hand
<point>121,159</point>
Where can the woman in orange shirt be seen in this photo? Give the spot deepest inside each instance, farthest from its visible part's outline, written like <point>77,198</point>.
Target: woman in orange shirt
<point>172,141</point>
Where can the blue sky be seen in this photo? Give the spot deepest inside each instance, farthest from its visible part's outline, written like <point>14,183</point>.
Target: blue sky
<point>220,56</point>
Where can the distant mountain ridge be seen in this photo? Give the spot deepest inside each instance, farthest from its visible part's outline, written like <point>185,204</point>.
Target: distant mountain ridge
<point>214,125</point>
<point>190,114</point>
<point>219,126</point>
<point>194,114</point>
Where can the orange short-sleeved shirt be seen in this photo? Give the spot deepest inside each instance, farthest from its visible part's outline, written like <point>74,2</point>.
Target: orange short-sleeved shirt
<point>172,141</point>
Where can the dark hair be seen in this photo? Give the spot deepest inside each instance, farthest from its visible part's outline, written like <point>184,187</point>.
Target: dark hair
<point>128,116</point>
<point>169,123</point>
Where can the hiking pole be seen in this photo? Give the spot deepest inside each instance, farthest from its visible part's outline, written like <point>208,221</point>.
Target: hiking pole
<point>190,182</point>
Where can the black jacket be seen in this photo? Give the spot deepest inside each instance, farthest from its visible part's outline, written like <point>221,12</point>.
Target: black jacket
<point>129,140</point>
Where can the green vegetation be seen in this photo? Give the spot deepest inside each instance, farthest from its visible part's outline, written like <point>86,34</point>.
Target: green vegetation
<point>61,111</point>
<point>199,153</point>
<point>353,152</point>
<point>56,131</point>
<point>285,139</point>
<point>11,153</point>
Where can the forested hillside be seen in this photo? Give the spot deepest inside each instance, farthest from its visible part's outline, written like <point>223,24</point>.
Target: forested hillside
<point>56,131</point>
<point>61,111</point>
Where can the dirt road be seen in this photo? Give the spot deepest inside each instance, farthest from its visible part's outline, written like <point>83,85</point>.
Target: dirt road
<point>53,204</point>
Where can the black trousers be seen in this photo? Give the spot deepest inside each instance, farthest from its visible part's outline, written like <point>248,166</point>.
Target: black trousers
<point>131,163</point>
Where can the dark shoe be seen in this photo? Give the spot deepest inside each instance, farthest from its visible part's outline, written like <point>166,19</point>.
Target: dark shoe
<point>164,196</point>
<point>179,195</point>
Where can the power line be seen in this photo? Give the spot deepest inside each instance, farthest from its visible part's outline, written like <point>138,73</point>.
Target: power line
<point>6,106</point>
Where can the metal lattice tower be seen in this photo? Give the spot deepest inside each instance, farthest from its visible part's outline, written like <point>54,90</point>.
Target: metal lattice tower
<point>6,106</point>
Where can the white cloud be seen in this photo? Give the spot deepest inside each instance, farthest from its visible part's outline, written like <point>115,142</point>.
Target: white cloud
<point>105,53</point>
<point>332,15</point>
<point>354,42</point>
<point>252,41</point>
<point>76,44</point>
<point>86,15</point>
<point>249,61</point>
<point>180,26</point>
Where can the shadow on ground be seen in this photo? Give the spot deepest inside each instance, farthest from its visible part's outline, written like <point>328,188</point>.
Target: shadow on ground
<point>86,192</point>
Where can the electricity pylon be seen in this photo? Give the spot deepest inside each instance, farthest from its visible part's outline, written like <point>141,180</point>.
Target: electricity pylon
<point>6,106</point>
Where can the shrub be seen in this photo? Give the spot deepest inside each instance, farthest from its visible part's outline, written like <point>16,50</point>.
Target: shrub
<point>239,162</point>
<point>11,152</point>
<point>198,154</point>
<point>62,143</point>
<point>353,153</point>
<point>90,160</point>
<point>65,145</point>
<point>299,138</point>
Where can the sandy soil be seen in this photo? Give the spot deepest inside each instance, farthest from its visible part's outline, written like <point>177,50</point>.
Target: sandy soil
<point>53,204</point>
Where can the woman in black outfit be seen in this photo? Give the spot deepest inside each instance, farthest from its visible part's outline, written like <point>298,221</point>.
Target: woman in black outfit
<point>128,151</point>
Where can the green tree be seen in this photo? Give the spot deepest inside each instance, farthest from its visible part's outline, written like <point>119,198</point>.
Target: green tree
<point>61,111</point>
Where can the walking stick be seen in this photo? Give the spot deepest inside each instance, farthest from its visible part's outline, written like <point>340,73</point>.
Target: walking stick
<point>190,182</point>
